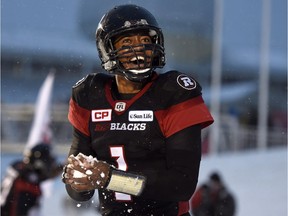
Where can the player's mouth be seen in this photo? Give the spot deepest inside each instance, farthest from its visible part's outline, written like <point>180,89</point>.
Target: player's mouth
<point>137,60</point>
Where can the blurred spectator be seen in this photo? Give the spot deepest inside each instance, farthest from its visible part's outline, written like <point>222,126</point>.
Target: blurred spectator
<point>20,188</point>
<point>213,199</point>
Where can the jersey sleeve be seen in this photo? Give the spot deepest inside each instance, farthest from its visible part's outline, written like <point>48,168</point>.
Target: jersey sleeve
<point>80,102</point>
<point>181,119</point>
<point>183,156</point>
<point>79,113</point>
<point>185,106</point>
<point>79,117</point>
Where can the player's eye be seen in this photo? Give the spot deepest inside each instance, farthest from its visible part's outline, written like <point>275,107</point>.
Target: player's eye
<point>126,41</point>
<point>146,39</point>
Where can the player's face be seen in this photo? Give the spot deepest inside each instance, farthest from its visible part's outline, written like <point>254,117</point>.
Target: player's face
<point>132,54</point>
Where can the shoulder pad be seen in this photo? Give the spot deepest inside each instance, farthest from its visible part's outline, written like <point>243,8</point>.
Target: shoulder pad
<point>79,82</point>
<point>85,87</point>
<point>177,81</point>
<point>90,79</point>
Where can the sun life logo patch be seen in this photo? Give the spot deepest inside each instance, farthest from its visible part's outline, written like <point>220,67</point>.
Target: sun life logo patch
<point>141,115</point>
<point>186,82</point>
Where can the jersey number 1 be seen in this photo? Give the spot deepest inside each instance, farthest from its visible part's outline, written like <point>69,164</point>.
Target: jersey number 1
<point>118,154</point>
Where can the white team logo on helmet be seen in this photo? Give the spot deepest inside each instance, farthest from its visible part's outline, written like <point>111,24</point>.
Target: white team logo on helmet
<point>186,82</point>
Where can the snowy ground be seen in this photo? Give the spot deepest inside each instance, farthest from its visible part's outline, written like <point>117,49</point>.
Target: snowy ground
<point>258,180</point>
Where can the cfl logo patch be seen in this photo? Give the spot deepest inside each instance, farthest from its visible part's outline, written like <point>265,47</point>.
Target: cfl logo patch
<point>101,115</point>
<point>120,106</point>
<point>186,82</point>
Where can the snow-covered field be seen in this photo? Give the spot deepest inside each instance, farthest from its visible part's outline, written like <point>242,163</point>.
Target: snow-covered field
<point>258,180</point>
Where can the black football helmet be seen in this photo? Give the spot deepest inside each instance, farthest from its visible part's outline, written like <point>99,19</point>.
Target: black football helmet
<point>122,20</point>
<point>40,158</point>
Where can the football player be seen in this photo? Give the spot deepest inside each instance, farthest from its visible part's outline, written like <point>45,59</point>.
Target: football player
<point>137,133</point>
<point>20,189</point>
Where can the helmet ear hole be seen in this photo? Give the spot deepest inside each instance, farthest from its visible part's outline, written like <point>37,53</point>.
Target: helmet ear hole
<point>122,20</point>
<point>37,154</point>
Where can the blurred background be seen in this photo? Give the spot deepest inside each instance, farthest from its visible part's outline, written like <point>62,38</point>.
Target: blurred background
<point>237,50</point>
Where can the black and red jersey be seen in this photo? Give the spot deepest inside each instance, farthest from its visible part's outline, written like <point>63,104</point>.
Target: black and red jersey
<point>151,133</point>
<point>20,190</point>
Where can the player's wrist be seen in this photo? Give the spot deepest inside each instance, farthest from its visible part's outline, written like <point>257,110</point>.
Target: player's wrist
<point>124,182</point>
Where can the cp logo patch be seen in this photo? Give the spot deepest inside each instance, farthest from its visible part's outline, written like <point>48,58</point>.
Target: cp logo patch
<point>186,82</point>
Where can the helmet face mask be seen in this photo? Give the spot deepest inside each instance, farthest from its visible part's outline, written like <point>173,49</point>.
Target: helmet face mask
<point>130,20</point>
